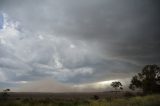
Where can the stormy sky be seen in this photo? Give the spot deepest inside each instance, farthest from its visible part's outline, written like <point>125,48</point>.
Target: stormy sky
<point>76,42</point>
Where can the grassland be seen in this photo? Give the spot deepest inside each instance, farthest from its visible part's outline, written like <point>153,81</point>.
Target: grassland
<point>150,100</point>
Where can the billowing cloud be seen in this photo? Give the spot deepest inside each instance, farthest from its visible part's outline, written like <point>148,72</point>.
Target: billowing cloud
<point>77,42</point>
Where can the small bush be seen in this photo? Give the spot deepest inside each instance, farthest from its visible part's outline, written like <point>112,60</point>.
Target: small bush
<point>96,97</point>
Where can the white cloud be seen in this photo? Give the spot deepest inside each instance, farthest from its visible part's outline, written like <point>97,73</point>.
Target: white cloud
<point>41,54</point>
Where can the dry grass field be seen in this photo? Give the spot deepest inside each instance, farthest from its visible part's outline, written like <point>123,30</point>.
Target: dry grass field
<point>78,99</point>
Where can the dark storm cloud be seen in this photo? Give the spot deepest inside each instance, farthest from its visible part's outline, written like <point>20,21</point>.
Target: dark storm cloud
<point>121,37</point>
<point>125,28</point>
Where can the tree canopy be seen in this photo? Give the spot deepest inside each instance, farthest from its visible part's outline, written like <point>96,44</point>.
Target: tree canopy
<point>148,80</point>
<point>117,85</point>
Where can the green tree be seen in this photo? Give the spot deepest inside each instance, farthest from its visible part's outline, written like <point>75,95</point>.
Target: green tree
<point>117,85</point>
<point>148,80</point>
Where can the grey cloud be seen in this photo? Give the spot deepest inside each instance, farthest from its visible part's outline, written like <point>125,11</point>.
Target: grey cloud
<point>7,84</point>
<point>123,28</point>
<point>34,57</point>
<point>110,37</point>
